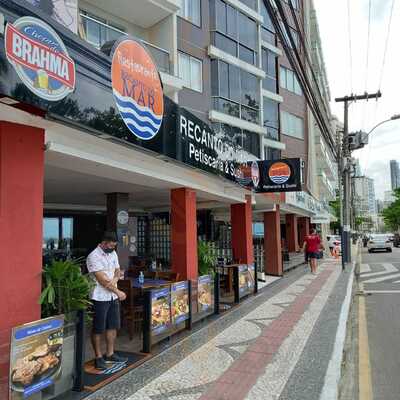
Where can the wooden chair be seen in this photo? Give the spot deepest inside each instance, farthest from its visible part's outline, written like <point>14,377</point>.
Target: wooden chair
<point>131,312</point>
<point>168,276</point>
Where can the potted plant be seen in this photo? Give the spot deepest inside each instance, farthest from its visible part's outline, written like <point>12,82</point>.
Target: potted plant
<point>206,258</point>
<point>65,290</point>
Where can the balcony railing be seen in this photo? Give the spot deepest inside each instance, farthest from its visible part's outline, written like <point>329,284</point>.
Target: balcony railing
<point>97,33</point>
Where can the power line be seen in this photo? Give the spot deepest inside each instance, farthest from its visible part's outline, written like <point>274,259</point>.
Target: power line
<point>386,44</point>
<point>367,62</point>
<point>350,46</point>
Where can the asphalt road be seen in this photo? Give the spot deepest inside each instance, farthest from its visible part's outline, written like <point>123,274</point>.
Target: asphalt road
<point>379,326</point>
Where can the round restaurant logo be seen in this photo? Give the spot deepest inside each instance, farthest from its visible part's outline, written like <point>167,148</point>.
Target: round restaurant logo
<point>40,58</point>
<point>137,89</point>
<point>279,173</point>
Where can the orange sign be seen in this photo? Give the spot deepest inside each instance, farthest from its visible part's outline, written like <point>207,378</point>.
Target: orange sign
<point>279,172</point>
<point>137,89</point>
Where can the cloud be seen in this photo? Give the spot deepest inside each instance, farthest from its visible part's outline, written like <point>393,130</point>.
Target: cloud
<point>348,74</point>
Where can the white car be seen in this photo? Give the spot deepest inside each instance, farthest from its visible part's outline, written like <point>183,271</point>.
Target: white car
<point>379,242</point>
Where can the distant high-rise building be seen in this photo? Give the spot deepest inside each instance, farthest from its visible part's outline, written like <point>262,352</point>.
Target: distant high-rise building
<point>388,198</point>
<point>394,174</point>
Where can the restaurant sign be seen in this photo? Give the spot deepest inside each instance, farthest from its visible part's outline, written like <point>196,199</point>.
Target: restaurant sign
<point>137,89</point>
<point>274,175</point>
<point>179,302</point>
<point>36,351</point>
<point>40,58</point>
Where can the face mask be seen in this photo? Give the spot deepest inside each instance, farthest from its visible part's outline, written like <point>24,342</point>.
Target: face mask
<point>108,251</point>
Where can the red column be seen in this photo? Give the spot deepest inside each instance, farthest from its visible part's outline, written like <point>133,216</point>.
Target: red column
<point>304,229</point>
<point>272,242</point>
<point>292,238</point>
<point>242,232</point>
<point>21,221</point>
<point>184,233</point>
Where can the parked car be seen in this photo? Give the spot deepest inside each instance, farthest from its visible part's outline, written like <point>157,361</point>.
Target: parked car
<point>379,241</point>
<point>396,240</point>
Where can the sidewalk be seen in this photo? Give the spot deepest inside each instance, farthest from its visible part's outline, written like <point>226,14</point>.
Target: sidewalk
<point>276,345</point>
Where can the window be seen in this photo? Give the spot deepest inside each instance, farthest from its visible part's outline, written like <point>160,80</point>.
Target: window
<point>57,233</point>
<point>272,154</point>
<point>295,37</point>
<point>248,141</point>
<point>288,81</point>
<point>191,11</point>
<point>269,66</point>
<point>233,32</point>
<point>250,3</point>
<point>271,118</point>
<point>99,31</point>
<point>292,125</point>
<point>235,92</point>
<point>190,70</point>
<point>295,3</point>
<point>267,29</point>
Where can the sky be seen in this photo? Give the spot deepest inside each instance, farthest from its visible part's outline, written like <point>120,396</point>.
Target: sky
<point>349,74</point>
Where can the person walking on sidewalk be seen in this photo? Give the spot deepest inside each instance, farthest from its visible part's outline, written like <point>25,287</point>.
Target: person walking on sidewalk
<point>312,246</point>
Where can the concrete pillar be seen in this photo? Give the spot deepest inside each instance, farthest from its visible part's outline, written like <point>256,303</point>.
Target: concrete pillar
<point>272,243</point>
<point>21,222</point>
<point>242,232</point>
<point>304,229</point>
<point>184,233</point>
<point>292,238</point>
<point>118,222</point>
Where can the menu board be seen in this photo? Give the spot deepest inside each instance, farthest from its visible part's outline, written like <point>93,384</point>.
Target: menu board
<point>36,352</point>
<point>246,279</point>
<point>205,293</point>
<point>180,302</point>
<point>160,310</point>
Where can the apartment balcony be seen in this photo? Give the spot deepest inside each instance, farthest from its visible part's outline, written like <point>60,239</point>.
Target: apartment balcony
<point>97,33</point>
<point>143,13</point>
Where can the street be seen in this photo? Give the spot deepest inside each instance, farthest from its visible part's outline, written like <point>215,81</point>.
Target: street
<point>376,327</point>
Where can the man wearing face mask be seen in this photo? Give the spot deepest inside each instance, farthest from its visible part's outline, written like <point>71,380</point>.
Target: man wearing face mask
<point>103,265</point>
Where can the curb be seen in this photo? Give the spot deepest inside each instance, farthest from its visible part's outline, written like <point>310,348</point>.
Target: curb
<point>334,372</point>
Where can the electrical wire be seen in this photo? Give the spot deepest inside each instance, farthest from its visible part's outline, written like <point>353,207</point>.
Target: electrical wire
<point>350,46</point>
<point>367,64</point>
<point>386,44</point>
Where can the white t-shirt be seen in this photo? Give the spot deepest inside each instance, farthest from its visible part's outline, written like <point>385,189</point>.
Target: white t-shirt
<point>98,261</point>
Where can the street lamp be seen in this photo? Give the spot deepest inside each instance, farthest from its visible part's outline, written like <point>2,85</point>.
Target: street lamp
<point>396,116</point>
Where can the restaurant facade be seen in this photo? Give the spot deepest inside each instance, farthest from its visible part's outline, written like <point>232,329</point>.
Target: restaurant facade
<point>101,130</point>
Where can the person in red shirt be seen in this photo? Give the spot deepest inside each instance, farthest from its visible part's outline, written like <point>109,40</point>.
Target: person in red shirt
<point>312,245</point>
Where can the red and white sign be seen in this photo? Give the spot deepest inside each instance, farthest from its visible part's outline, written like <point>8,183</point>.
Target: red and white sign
<point>40,58</point>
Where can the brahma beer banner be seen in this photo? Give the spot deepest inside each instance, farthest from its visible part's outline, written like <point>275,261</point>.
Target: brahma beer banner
<point>273,175</point>
<point>40,58</point>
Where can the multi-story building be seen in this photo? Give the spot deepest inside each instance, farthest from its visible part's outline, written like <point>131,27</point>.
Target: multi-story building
<point>388,198</point>
<point>73,163</point>
<point>394,174</point>
<point>364,200</point>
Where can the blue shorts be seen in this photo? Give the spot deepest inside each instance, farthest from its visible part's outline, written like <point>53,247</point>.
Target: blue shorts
<point>312,255</point>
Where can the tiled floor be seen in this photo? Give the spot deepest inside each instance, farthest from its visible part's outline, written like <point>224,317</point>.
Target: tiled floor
<point>248,353</point>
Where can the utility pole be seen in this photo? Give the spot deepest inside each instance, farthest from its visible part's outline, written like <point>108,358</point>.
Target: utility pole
<point>346,168</point>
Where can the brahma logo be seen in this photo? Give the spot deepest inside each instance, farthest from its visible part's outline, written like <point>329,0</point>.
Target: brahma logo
<point>279,173</point>
<point>40,58</point>
<point>137,89</point>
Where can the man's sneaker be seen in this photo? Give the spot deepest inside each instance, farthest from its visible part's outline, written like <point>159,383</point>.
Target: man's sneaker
<point>115,358</point>
<point>99,363</point>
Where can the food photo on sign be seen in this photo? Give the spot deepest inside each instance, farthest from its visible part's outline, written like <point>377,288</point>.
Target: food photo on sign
<point>160,310</point>
<point>205,293</point>
<point>36,353</point>
<point>180,302</point>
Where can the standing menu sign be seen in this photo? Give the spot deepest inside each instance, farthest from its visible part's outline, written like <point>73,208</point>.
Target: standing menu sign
<point>36,352</point>
<point>160,311</point>
<point>180,302</point>
<point>245,282</point>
